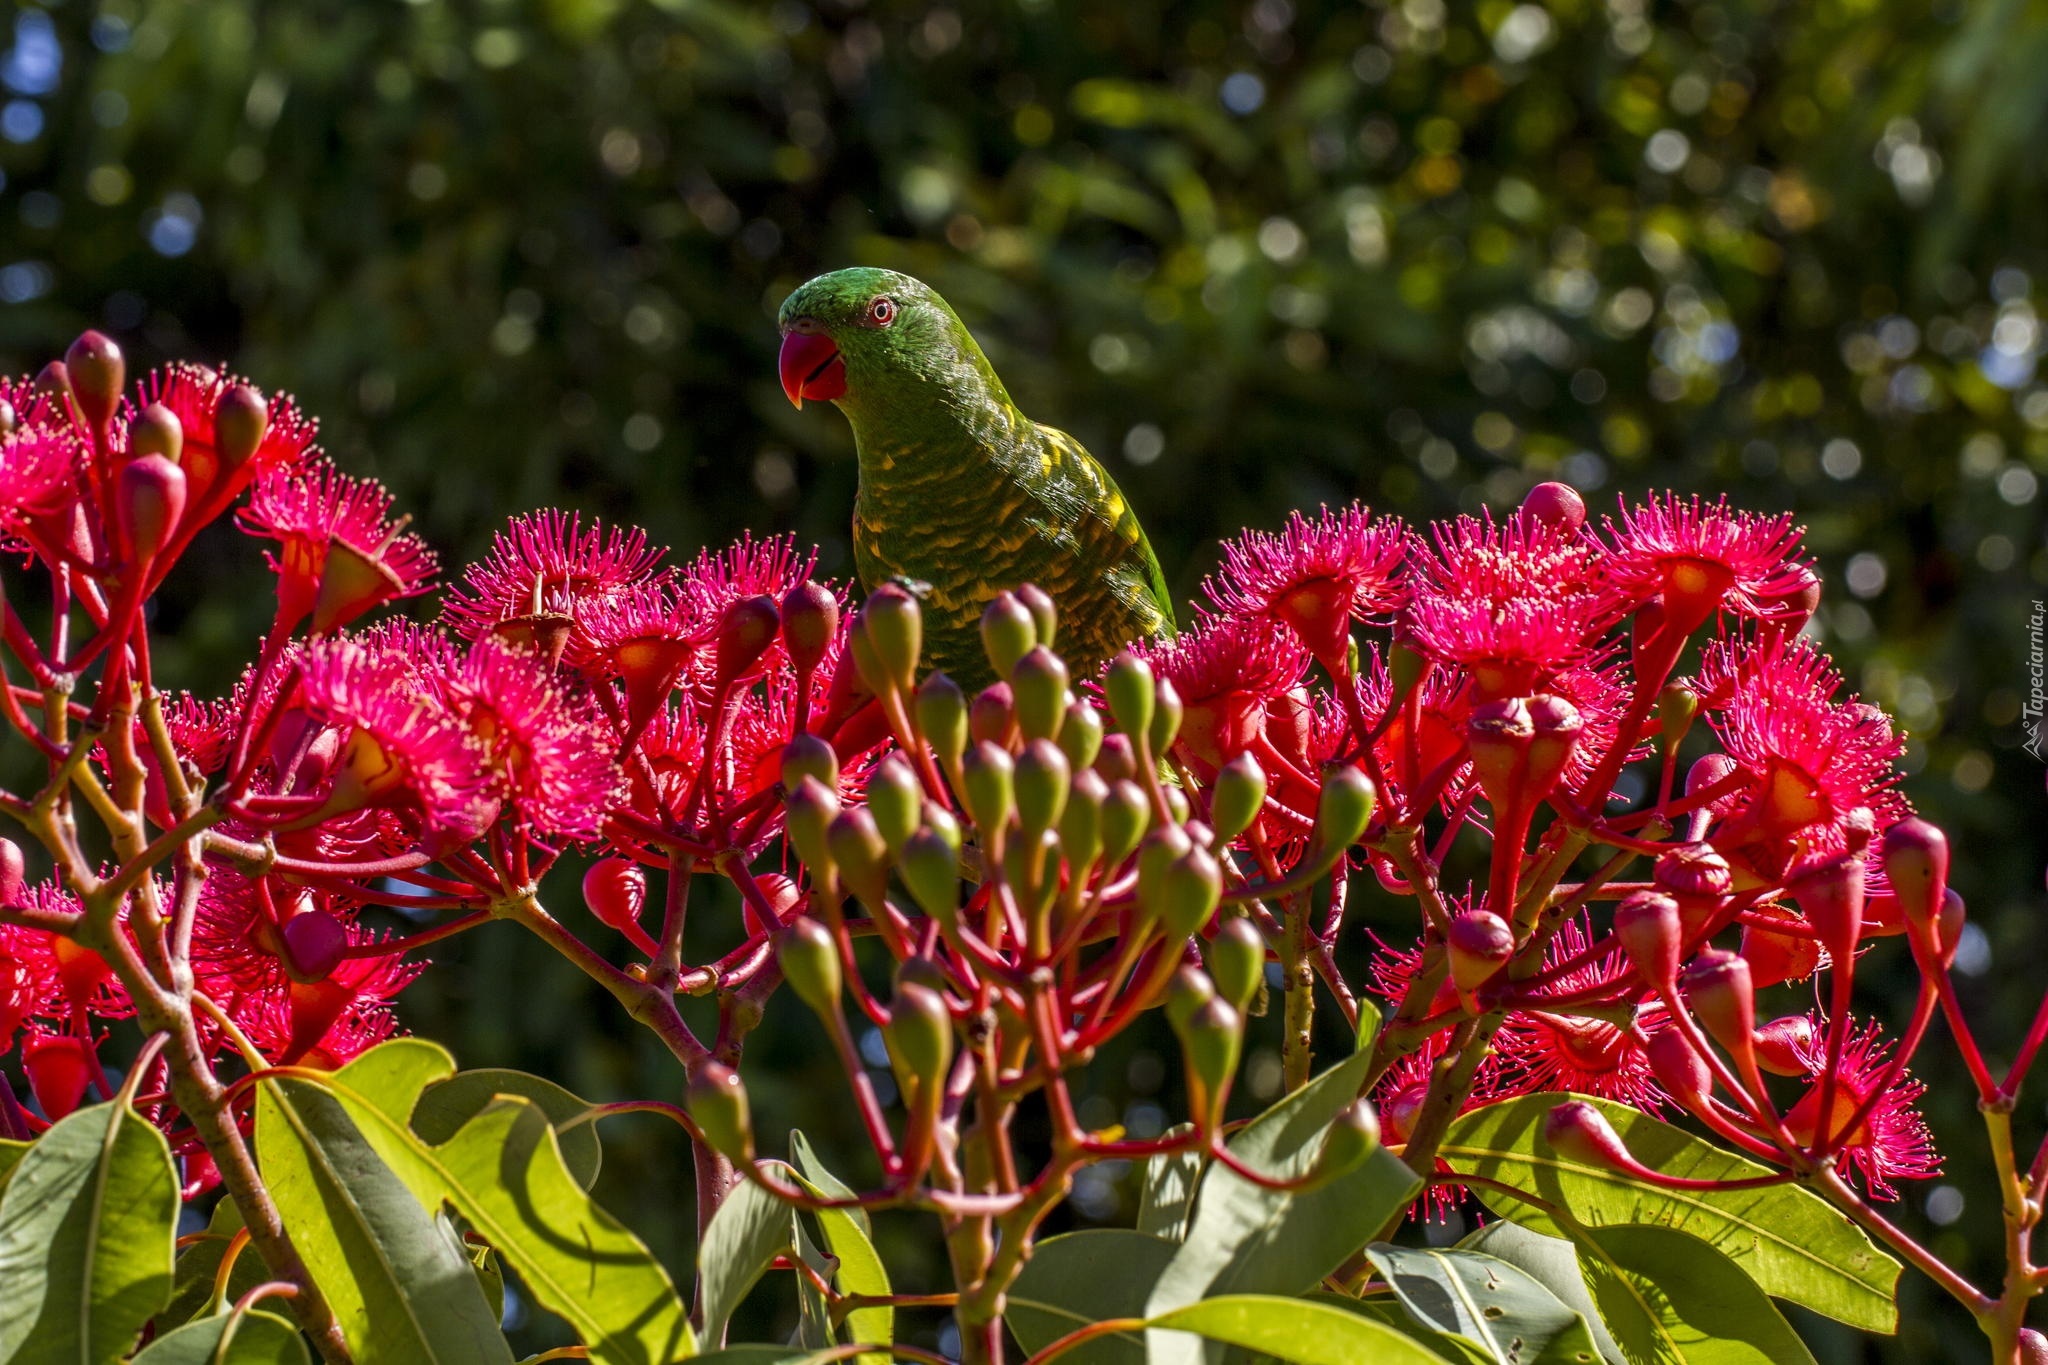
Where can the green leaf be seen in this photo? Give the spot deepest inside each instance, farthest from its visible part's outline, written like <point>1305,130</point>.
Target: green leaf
<point>1671,1299</point>
<point>813,1169</point>
<point>199,1264</point>
<point>258,1338</point>
<point>1082,1277</point>
<point>11,1153</point>
<point>1499,1308</point>
<point>1247,1239</point>
<point>754,1354</point>
<point>87,1225</point>
<point>860,1267</point>
<point>814,1315</point>
<point>1368,1024</point>
<point>1554,1262</point>
<point>1787,1238</point>
<point>505,1174</point>
<point>447,1105</point>
<point>1299,1331</point>
<point>750,1229</point>
<point>1388,1312</point>
<point>402,1291</point>
<point>1166,1191</point>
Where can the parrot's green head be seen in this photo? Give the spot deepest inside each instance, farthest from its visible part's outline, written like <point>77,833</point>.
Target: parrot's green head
<point>884,347</point>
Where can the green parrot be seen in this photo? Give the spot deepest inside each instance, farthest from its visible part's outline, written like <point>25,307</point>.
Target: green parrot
<point>958,489</point>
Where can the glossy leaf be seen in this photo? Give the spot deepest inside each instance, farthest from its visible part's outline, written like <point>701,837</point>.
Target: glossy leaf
<point>846,1235</point>
<point>814,1314</point>
<point>258,1338</point>
<point>450,1103</point>
<point>1245,1238</point>
<point>1497,1307</point>
<point>750,1229</point>
<point>1786,1238</point>
<point>1166,1191</point>
<point>1298,1331</point>
<point>1084,1277</point>
<point>1554,1262</point>
<point>1368,1024</point>
<point>11,1153</point>
<point>402,1291</point>
<point>86,1229</point>
<point>505,1174</point>
<point>1670,1299</point>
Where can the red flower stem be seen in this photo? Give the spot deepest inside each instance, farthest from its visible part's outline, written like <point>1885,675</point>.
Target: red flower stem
<point>1838,1192</point>
<point>253,739</point>
<point>387,947</point>
<point>1959,1026</point>
<point>1909,1043</point>
<point>1840,980</point>
<point>654,1008</point>
<point>1081,1336</point>
<point>1757,1104</point>
<point>667,955</point>
<point>2037,1033</point>
<point>24,647</point>
<point>1454,823</point>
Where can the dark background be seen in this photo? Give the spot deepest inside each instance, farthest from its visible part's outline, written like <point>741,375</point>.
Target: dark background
<point>1255,256</point>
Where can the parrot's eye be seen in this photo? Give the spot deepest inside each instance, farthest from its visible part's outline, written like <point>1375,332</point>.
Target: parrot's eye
<point>881,312</point>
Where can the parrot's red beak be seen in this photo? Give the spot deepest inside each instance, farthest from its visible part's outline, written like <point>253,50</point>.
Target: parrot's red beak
<point>812,368</point>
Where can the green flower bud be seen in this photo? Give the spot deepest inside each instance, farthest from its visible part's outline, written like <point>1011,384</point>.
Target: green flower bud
<point>809,756</point>
<point>1236,797</point>
<point>930,867</point>
<point>987,776</point>
<point>1166,714</point>
<point>241,419</point>
<point>1125,816</point>
<point>810,963</point>
<point>893,625</point>
<point>1080,736</point>
<point>993,719</point>
<point>1237,960</point>
<point>1717,989</point>
<point>156,430</point>
<point>920,971</point>
<point>1187,992</point>
<point>919,1035</point>
<point>1045,614</point>
<point>940,821</point>
<point>1343,811</point>
<point>97,372</point>
<point>1177,806</point>
<point>1039,685</point>
<point>1677,704</point>
<point>1081,823</point>
<point>1031,866</point>
<point>1210,1040</point>
<point>1007,632</point>
<point>1478,943</point>
<point>717,1101</point>
<point>860,854</point>
<point>1116,760</point>
<point>896,799</point>
<point>1188,893</point>
<point>1164,844</point>
<point>942,718</point>
<point>1349,1140</point>
<point>1043,780</point>
<point>1132,693</point>
<point>811,807</point>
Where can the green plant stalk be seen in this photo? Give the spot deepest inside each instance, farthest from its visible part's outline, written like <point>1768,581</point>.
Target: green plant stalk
<point>2008,1315</point>
<point>1298,980</point>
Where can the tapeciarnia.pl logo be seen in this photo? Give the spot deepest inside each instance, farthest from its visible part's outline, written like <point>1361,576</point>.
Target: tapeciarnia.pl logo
<point>2037,691</point>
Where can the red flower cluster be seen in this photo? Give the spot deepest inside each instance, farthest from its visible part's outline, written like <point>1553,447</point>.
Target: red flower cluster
<point>1354,696</point>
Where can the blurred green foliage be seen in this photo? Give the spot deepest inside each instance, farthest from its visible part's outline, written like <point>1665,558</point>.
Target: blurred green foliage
<point>1255,255</point>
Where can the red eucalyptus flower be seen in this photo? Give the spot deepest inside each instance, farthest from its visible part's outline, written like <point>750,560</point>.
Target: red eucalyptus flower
<point>339,552</point>
<point>547,562</point>
<point>1542,1050</point>
<point>401,746</point>
<point>1704,557</point>
<point>1892,1143</point>
<point>548,751</point>
<point>1316,577</point>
